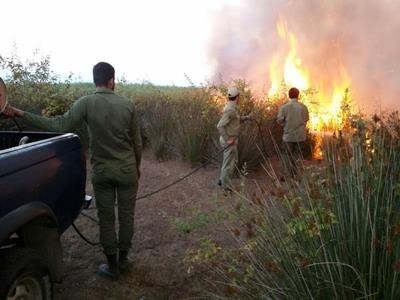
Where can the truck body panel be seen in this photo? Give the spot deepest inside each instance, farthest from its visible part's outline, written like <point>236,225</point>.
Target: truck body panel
<point>50,168</point>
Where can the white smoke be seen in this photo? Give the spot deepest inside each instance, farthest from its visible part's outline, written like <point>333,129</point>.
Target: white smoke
<point>360,34</point>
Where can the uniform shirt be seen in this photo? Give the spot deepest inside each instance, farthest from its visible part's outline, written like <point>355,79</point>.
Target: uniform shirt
<point>295,116</point>
<point>112,123</point>
<point>229,124</point>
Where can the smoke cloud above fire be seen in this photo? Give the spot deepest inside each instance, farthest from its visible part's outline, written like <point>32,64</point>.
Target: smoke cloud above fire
<point>359,38</point>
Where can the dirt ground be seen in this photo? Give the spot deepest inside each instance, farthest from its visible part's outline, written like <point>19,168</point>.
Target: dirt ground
<point>159,246</point>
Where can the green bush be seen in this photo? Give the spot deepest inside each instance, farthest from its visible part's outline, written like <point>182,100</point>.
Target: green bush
<point>195,118</point>
<point>32,86</point>
<point>157,126</point>
<point>176,122</point>
<point>335,234</point>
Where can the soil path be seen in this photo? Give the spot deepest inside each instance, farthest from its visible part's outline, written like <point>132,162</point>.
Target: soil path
<point>165,227</point>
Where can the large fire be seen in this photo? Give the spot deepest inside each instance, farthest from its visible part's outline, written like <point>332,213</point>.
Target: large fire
<point>323,96</point>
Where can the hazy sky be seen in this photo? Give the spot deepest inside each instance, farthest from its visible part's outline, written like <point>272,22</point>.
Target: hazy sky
<point>161,40</point>
<point>155,40</point>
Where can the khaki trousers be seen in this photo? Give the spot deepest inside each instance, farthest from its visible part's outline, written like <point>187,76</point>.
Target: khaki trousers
<point>111,185</point>
<point>229,162</point>
<point>293,151</point>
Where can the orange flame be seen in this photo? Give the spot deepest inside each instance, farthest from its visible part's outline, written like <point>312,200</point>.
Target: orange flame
<point>293,73</point>
<point>287,70</point>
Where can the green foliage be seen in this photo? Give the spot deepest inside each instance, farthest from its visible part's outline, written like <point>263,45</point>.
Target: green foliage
<point>181,122</point>
<point>199,220</point>
<point>334,234</point>
<point>175,121</point>
<point>257,136</point>
<point>311,222</point>
<point>32,86</point>
<point>195,115</point>
<point>204,255</point>
<point>157,125</point>
<point>185,227</point>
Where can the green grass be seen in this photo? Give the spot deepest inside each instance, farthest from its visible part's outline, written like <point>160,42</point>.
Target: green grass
<point>199,220</point>
<point>334,234</point>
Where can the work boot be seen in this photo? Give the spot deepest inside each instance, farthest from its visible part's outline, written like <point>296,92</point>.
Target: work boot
<point>110,270</point>
<point>124,262</point>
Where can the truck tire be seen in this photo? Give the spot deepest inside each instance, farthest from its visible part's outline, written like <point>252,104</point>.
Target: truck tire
<point>24,275</point>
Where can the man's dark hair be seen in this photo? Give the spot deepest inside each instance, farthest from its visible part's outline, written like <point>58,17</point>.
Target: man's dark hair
<point>294,93</point>
<point>102,73</point>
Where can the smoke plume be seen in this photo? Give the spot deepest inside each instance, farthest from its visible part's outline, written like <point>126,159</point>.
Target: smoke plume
<point>360,35</point>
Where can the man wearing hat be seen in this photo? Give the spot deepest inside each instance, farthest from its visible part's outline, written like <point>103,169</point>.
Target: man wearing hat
<point>228,128</point>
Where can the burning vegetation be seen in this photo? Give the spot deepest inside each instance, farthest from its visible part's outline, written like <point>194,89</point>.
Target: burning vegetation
<point>327,104</point>
<point>327,49</point>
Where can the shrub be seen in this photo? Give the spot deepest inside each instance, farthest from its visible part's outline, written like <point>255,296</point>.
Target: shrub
<point>333,235</point>
<point>175,122</point>
<point>157,125</point>
<point>195,118</point>
<point>32,86</point>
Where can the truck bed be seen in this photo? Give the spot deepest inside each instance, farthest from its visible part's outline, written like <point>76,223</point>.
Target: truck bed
<point>49,168</point>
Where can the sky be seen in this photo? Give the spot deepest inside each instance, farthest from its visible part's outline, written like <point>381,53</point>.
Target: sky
<point>162,40</point>
<point>153,40</point>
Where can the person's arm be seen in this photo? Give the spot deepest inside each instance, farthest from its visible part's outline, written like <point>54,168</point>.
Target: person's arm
<point>137,139</point>
<point>281,117</point>
<point>72,119</point>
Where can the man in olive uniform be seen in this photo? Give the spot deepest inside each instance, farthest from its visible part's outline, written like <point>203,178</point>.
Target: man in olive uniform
<point>228,128</point>
<point>294,117</point>
<point>115,151</point>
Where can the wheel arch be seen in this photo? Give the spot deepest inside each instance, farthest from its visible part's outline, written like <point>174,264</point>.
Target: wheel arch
<point>37,228</point>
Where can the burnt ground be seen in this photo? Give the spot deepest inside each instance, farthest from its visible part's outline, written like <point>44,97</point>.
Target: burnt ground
<point>167,224</point>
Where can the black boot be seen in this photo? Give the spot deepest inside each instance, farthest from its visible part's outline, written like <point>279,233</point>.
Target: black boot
<point>123,261</point>
<point>110,270</point>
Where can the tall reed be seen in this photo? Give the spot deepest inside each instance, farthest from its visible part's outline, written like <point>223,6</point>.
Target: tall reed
<point>332,234</point>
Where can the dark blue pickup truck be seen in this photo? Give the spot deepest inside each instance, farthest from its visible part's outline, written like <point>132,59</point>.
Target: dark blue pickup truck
<point>42,191</point>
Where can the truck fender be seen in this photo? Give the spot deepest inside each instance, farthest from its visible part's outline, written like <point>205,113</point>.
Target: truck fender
<point>36,225</point>
<point>14,220</point>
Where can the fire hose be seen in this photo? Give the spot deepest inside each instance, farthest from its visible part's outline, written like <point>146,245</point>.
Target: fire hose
<point>3,107</point>
<point>150,194</point>
<point>168,185</point>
